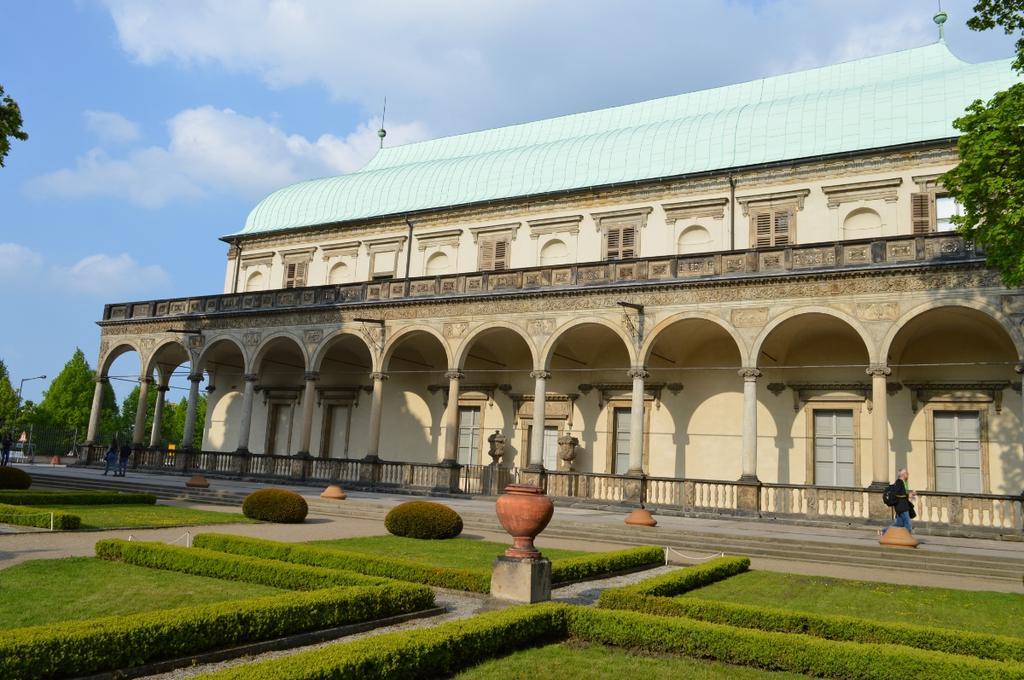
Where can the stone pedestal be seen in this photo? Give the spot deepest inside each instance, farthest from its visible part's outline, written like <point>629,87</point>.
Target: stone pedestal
<point>532,477</point>
<point>748,501</point>
<point>878,512</point>
<point>526,580</point>
<point>446,477</point>
<point>898,537</point>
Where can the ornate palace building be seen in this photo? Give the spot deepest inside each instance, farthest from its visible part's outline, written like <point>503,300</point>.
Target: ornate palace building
<point>744,300</point>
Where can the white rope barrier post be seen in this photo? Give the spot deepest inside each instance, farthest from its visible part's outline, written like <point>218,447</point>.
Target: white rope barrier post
<point>51,521</point>
<point>188,539</point>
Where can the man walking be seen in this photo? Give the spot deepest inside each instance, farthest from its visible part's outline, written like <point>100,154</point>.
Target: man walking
<point>122,460</point>
<point>904,507</point>
<point>5,449</point>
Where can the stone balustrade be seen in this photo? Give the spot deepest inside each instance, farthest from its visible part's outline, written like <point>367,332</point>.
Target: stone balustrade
<point>894,252</point>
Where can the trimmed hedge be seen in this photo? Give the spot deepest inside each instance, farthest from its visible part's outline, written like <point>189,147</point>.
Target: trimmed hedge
<point>423,519</point>
<point>200,562</point>
<point>14,478</point>
<point>104,644</point>
<point>448,648</point>
<point>371,565</point>
<point>602,564</point>
<point>275,505</point>
<point>76,498</point>
<point>690,578</point>
<point>433,652</point>
<point>776,651</point>
<point>35,517</point>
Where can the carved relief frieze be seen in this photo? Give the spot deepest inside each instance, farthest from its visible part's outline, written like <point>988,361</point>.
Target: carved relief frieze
<point>814,257</point>
<point>857,254</point>
<point>696,266</point>
<point>454,330</point>
<point>900,251</point>
<point>1013,304</point>
<point>312,337</point>
<point>659,269</point>
<point>196,341</point>
<point>251,339</point>
<point>540,328</point>
<point>878,311</point>
<point>750,317</point>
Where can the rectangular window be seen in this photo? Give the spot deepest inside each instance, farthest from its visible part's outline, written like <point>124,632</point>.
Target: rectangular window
<point>958,451</point>
<point>833,447</point>
<point>621,440</point>
<point>620,242</point>
<point>922,212</point>
<point>772,228</point>
<point>945,208</point>
<point>469,435</point>
<point>335,437</point>
<point>295,274</point>
<point>493,255</point>
<point>550,456</point>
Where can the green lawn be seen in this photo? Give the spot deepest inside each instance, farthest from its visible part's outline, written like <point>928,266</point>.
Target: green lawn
<point>591,662</point>
<point>984,612</point>
<point>463,553</point>
<point>47,591</point>
<point>145,516</point>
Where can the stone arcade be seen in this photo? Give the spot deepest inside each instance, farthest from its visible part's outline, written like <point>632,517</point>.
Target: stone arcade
<point>744,300</point>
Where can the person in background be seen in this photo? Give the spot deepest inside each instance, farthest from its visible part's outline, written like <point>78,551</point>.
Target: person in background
<point>5,449</point>
<point>110,458</point>
<point>122,460</point>
<point>904,507</point>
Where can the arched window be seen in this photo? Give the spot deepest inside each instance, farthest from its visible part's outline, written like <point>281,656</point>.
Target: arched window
<point>694,239</point>
<point>340,273</point>
<point>437,264</point>
<point>254,282</point>
<point>554,252</point>
<point>862,223</point>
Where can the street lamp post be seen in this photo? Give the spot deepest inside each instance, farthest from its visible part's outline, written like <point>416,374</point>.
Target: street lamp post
<point>22,384</point>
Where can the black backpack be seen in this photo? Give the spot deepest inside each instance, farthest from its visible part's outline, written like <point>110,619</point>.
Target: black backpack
<point>889,495</point>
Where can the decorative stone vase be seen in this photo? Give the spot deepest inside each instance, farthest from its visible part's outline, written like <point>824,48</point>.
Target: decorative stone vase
<point>567,447</point>
<point>898,537</point>
<point>524,511</point>
<point>497,450</point>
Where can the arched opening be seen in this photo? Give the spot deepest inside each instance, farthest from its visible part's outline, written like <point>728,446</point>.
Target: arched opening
<point>255,282</point>
<point>340,421</point>
<point>956,424</point>
<point>814,424</point>
<point>279,366</point>
<point>170,366</point>
<point>413,405</point>
<point>554,252</point>
<point>496,363</point>
<point>224,366</point>
<point>340,273</point>
<point>589,365</point>
<point>122,367</point>
<point>438,263</point>
<point>862,223</point>
<point>694,239</point>
<point>696,434</point>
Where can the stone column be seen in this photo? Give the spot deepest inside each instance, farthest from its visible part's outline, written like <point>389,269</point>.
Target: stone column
<point>451,418</point>
<point>247,398</point>
<point>879,426</point>
<point>190,414</point>
<point>373,441</point>
<point>140,412</point>
<point>537,436</point>
<point>1019,368</point>
<point>158,416</point>
<point>748,459</point>
<point>636,422</point>
<point>94,414</point>
<point>308,404</point>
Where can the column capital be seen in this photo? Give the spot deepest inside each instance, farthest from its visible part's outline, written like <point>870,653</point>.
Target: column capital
<point>102,379</point>
<point>146,379</point>
<point>540,375</point>
<point>878,370</point>
<point>749,374</point>
<point>639,372</point>
<point>454,374</point>
<point>311,376</point>
<point>379,376</point>
<point>195,377</point>
<point>1019,368</point>
<point>162,388</point>
<point>250,377</point>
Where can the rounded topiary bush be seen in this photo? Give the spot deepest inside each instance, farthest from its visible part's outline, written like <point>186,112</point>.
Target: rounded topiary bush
<point>423,519</point>
<point>14,478</point>
<point>275,505</point>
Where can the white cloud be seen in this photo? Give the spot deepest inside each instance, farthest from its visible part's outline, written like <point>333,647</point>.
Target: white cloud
<point>218,151</point>
<point>112,127</point>
<point>94,275</point>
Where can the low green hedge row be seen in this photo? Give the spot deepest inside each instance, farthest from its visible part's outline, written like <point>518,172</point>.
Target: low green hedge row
<point>685,580</point>
<point>37,517</point>
<point>91,646</point>
<point>777,651</point>
<point>200,562</point>
<point>831,627</point>
<point>75,498</point>
<point>433,652</point>
<point>332,558</point>
<point>601,564</point>
<point>443,650</point>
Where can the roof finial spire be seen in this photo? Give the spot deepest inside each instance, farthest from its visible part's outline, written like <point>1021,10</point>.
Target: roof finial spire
<point>940,19</point>
<point>382,133</point>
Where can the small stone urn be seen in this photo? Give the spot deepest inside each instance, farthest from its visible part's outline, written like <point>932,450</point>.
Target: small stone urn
<point>567,448</point>
<point>524,511</point>
<point>497,450</point>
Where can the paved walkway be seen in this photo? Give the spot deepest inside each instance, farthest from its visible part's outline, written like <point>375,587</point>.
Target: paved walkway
<point>22,546</point>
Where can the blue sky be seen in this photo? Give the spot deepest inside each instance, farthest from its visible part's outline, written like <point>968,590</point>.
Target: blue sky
<point>156,126</point>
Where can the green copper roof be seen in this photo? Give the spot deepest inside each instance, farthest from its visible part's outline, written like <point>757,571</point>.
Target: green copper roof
<point>900,98</point>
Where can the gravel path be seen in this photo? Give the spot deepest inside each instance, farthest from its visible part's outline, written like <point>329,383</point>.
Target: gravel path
<point>457,605</point>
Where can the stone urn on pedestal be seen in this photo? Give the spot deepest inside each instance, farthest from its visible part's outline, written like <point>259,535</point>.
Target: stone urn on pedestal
<point>567,449</point>
<point>522,574</point>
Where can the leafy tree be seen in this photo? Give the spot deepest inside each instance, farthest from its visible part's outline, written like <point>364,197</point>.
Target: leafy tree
<point>177,423</point>
<point>68,400</point>
<point>110,418</point>
<point>989,181</point>
<point>128,409</point>
<point>9,406</point>
<point>10,124</point>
